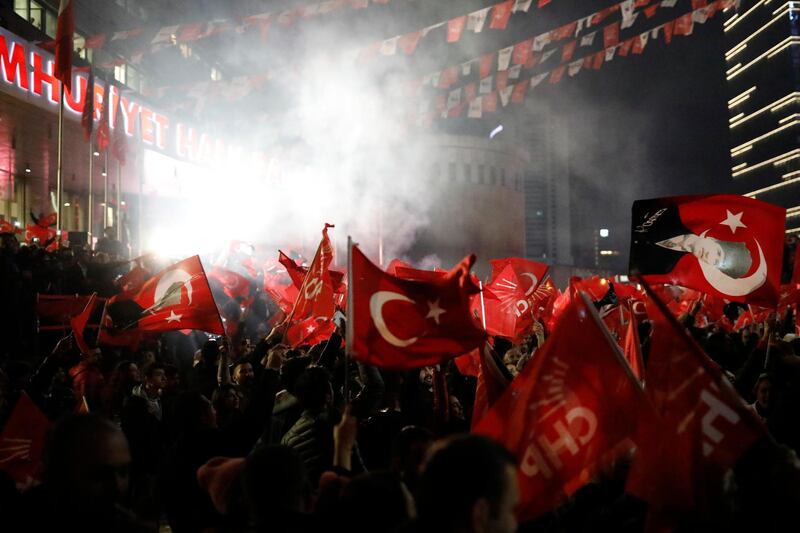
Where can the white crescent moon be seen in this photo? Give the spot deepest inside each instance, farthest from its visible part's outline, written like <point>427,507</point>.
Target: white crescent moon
<point>165,295</point>
<point>733,286</point>
<point>376,302</point>
<point>534,282</point>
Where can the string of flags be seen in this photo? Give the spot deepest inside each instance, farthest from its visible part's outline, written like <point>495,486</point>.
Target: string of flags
<point>485,100</point>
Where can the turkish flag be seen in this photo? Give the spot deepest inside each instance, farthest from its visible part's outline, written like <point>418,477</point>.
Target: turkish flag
<point>509,295</point>
<point>493,378</point>
<point>500,14</point>
<point>134,279</point>
<point>310,331</point>
<point>87,116</point>
<point>103,133</point>
<point>401,324</point>
<point>455,27</point>
<point>65,28</point>
<point>700,425</point>
<point>572,410</point>
<point>234,285</point>
<point>22,441</point>
<point>119,146</point>
<point>405,271</point>
<point>632,348</point>
<point>178,297</point>
<point>611,35</point>
<point>316,295</point>
<point>60,308</point>
<point>724,245</point>
<point>79,321</point>
<point>298,273</point>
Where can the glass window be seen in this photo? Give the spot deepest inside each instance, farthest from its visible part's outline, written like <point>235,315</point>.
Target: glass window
<point>216,75</point>
<point>51,23</point>
<point>21,8</point>
<point>186,50</point>
<point>481,174</point>
<point>36,15</point>
<point>119,73</point>
<point>133,78</point>
<point>451,171</point>
<point>503,177</point>
<point>467,173</point>
<point>492,176</point>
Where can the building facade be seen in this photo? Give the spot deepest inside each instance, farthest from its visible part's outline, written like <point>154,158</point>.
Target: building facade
<point>763,60</point>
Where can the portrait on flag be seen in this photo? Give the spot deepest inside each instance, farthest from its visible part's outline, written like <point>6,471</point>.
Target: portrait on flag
<point>724,245</point>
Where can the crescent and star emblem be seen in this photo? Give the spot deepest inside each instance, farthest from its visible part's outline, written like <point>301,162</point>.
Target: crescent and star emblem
<point>735,286</point>
<point>168,290</point>
<point>380,298</point>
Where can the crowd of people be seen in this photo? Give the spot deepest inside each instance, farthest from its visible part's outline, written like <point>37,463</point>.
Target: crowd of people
<point>200,433</point>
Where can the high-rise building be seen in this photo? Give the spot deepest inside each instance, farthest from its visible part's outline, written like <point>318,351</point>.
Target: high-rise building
<point>763,76</point>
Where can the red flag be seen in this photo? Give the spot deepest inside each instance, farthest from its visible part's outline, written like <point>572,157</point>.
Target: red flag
<point>454,28</point>
<point>83,407</point>
<point>178,297</point>
<point>522,52</point>
<point>119,147</point>
<point>611,35</point>
<point>402,324</point>
<point>568,51</point>
<point>500,15</point>
<point>103,134</point>
<point>315,298</point>
<point>669,30</point>
<point>296,272</point>
<point>518,93</point>
<point>87,116</point>
<point>725,245</point>
<point>311,331</point>
<point>509,310</point>
<point>133,280</point>
<point>568,414</point>
<point>492,382</point>
<point>65,28</point>
<point>485,64</point>
<point>633,348</point>
<point>408,42</point>
<point>501,80</point>
<point>489,102</point>
<point>684,25</point>
<point>22,442</point>
<point>79,321</point>
<point>700,425</point>
<point>557,74</point>
<point>59,308</point>
<point>8,227</point>
<point>235,285</point>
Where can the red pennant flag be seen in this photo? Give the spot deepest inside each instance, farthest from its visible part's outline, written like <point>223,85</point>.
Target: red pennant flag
<point>700,425</point>
<point>684,25</point>
<point>59,308</point>
<point>408,42</point>
<point>87,115</point>
<point>234,285</point>
<point>501,81</point>
<point>632,348</point>
<point>22,442</point>
<point>470,91</point>
<point>485,65</point>
<point>103,134</point>
<point>669,28</point>
<point>599,58</point>
<point>448,77</point>
<point>509,309</point>
<point>79,321</point>
<point>625,47</point>
<point>697,4</point>
<point>402,324</point>
<point>119,146</point>
<point>455,27</point>
<point>316,293</point>
<point>489,102</point>
<point>611,35</point>
<point>557,74</point>
<point>725,245</point>
<point>650,12</point>
<point>178,297</point>
<point>522,52</point>
<point>500,15</point>
<point>565,31</point>
<point>65,28</point>
<point>296,272</point>
<point>568,414</point>
<point>568,51</point>
<point>543,3</point>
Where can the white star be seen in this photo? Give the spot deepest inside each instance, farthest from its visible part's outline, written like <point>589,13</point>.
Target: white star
<point>733,221</point>
<point>310,328</point>
<point>173,317</point>
<point>434,311</point>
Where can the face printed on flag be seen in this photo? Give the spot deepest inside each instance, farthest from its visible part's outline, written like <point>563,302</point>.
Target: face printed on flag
<point>725,245</point>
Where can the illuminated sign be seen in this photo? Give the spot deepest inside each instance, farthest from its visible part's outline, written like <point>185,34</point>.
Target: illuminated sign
<point>27,73</point>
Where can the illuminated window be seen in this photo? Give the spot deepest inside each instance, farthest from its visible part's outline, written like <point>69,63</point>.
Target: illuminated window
<point>36,15</point>
<point>119,73</point>
<point>216,75</point>
<point>186,50</point>
<point>50,23</point>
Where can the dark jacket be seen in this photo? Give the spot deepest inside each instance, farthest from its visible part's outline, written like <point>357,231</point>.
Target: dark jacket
<point>312,438</point>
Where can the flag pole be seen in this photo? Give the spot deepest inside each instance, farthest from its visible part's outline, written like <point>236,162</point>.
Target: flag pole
<point>118,212</point>
<point>59,158</point>
<point>348,331</point>
<point>105,190</point>
<point>483,306</point>
<point>90,209</point>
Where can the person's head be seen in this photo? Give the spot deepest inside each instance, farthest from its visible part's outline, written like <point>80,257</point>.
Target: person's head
<point>409,449</point>
<point>94,356</point>
<point>194,412</point>
<point>426,376</point>
<point>155,378</point>
<point>243,373</point>
<point>225,399</point>
<point>313,389</point>
<point>469,484</point>
<point>173,378</point>
<point>731,258</point>
<point>763,391</point>
<point>290,371</point>
<point>456,409</point>
<point>209,352</point>
<point>375,502</point>
<point>86,460</point>
<point>275,483</point>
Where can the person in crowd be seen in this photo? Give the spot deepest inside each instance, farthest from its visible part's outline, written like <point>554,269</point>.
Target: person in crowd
<point>124,378</point>
<point>87,379</point>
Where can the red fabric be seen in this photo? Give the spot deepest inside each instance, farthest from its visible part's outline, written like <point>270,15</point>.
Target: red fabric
<point>735,221</point>
<point>632,348</point>
<point>469,364</point>
<point>567,414</point>
<point>134,279</point>
<point>310,331</point>
<point>500,14</point>
<point>611,35</point>
<point>485,65</point>
<point>796,268</point>
<point>568,51</point>
<point>402,324</point>
<point>87,116</point>
<point>565,31</point>
<point>176,298</point>
<point>518,93</point>
<point>316,293</point>
<point>522,52</point>
<point>60,308</point>
<point>489,102</point>
<point>22,442</point>
<point>455,27</point>
<point>65,28</point>
<point>492,383</point>
<point>669,30</point>
<point>103,133</point>
<point>119,146</point>
<point>79,321</point>
<point>509,295</point>
<point>408,42</point>
<point>700,425</point>
<point>235,285</point>
<point>684,25</point>
<point>87,382</point>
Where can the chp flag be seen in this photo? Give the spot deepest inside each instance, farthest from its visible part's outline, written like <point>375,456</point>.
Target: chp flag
<point>509,295</point>
<point>401,324</point>
<point>571,411</point>
<point>724,245</point>
<point>178,297</point>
